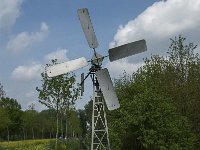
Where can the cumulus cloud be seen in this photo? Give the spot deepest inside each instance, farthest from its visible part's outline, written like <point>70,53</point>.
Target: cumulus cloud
<point>157,24</point>
<point>30,94</point>
<point>9,12</point>
<point>119,66</point>
<point>59,54</point>
<point>160,21</point>
<point>33,70</point>
<point>25,40</point>
<point>27,72</point>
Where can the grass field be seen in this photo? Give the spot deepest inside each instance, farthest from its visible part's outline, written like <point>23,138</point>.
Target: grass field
<point>45,144</point>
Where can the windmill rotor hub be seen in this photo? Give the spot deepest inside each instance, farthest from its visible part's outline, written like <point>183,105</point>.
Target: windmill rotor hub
<point>97,59</point>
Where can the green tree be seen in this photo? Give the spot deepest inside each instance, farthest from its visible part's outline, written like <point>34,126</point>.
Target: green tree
<point>185,67</point>
<point>58,93</point>
<point>13,109</point>
<point>5,121</point>
<point>177,77</point>
<point>30,123</point>
<point>147,120</point>
<point>83,122</point>
<point>75,123</point>
<point>88,112</point>
<point>47,121</point>
<point>159,101</point>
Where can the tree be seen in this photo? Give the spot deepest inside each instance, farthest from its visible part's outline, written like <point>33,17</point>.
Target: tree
<point>147,120</point>
<point>83,122</point>
<point>13,109</point>
<point>58,92</point>
<point>177,77</point>
<point>9,103</point>
<point>88,112</point>
<point>47,121</point>
<point>30,123</point>
<point>160,101</point>
<point>5,121</point>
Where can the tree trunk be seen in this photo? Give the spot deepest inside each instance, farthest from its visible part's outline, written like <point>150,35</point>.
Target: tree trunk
<point>61,126</point>
<point>8,136</point>
<point>52,132</point>
<point>57,130</point>
<point>66,136</point>
<point>66,130</point>
<point>42,132</point>
<point>24,134</point>
<point>33,133</point>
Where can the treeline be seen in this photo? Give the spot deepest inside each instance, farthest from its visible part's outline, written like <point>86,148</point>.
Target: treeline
<point>16,124</point>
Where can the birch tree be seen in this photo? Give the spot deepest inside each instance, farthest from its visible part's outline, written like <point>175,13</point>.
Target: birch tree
<point>58,92</point>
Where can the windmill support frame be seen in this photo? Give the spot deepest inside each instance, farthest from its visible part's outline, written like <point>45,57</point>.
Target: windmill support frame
<point>100,136</point>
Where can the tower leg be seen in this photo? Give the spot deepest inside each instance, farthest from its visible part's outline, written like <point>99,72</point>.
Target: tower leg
<point>100,138</point>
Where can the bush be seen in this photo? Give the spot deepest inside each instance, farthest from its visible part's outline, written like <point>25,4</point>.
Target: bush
<point>148,120</point>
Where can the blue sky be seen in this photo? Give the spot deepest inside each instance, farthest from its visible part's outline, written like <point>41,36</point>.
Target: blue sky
<point>33,32</point>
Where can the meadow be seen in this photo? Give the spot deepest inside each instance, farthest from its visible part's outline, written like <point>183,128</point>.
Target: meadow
<point>41,144</point>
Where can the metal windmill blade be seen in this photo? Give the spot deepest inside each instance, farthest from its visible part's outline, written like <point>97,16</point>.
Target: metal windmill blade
<point>127,50</point>
<point>82,83</point>
<point>87,27</point>
<point>107,89</point>
<point>65,67</point>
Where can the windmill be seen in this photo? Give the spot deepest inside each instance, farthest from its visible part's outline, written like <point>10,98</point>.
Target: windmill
<point>103,90</point>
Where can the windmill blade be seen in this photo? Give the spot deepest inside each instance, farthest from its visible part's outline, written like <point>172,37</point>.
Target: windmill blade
<point>107,89</point>
<point>127,50</point>
<point>82,83</point>
<point>87,27</point>
<point>65,67</point>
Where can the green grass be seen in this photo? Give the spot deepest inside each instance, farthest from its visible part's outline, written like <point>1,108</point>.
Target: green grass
<point>45,144</point>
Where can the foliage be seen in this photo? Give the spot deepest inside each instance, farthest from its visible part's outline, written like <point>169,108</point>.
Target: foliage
<point>74,121</point>
<point>88,121</point>
<point>83,122</point>
<point>58,93</point>
<point>14,112</point>
<point>176,77</point>
<point>148,121</point>
<point>159,102</point>
<point>5,120</point>
<point>9,103</point>
<point>88,112</point>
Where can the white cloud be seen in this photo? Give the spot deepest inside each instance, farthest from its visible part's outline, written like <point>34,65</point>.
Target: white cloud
<point>25,40</point>
<point>162,20</point>
<point>27,72</point>
<point>59,54</point>
<point>157,24</point>
<point>9,12</point>
<point>33,70</point>
<point>30,94</point>
<point>116,68</point>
